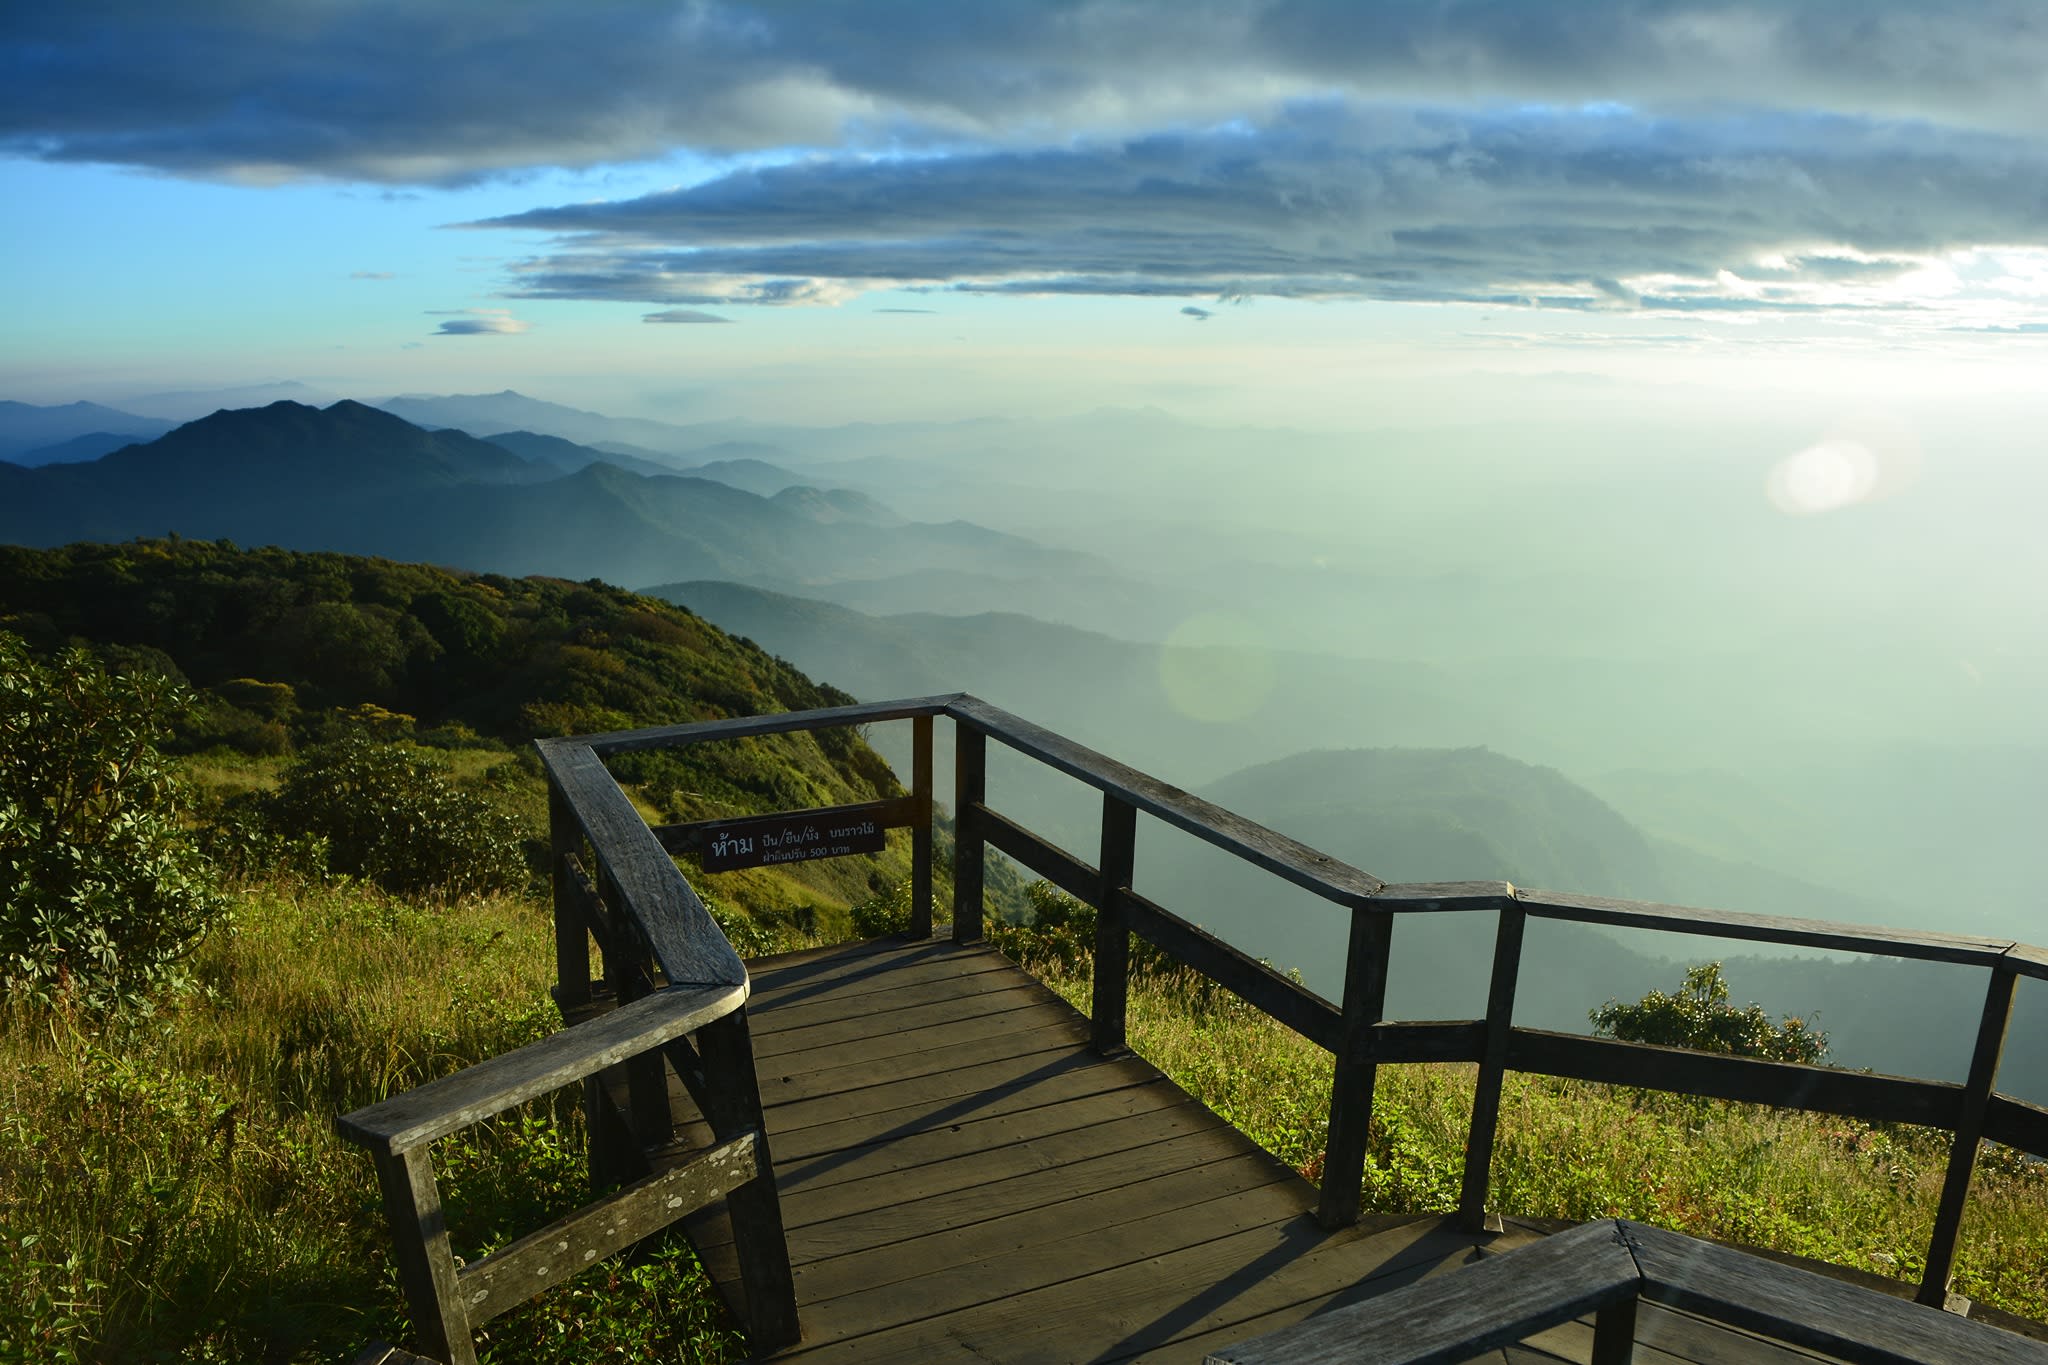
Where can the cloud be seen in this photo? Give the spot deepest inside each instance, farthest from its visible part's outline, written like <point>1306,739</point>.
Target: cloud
<point>921,311</point>
<point>1575,209</point>
<point>391,94</point>
<point>472,322</point>
<point>371,275</point>
<point>683,315</point>
<point>1198,314</point>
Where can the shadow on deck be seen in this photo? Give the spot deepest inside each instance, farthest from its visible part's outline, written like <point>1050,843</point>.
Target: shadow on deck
<point>963,1178</point>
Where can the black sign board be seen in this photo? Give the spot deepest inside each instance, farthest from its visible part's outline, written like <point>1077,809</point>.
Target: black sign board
<point>798,838</point>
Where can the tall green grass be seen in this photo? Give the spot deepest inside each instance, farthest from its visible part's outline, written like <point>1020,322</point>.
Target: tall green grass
<point>171,1187</point>
<point>1838,1190</point>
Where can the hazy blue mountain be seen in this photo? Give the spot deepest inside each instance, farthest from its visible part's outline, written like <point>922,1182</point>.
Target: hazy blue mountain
<point>568,456</point>
<point>754,475</point>
<point>835,505</point>
<point>185,405</point>
<point>511,411</point>
<point>90,446</point>
<point>27,430</point>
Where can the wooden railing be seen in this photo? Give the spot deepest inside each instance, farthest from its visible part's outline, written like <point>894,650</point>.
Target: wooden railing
<point>673,974</point>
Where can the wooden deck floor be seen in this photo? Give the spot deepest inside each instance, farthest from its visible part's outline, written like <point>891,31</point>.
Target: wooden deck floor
<point>963,1178</point>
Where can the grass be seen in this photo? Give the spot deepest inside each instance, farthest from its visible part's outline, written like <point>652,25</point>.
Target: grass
<point>171,1188</point>
<point>1838,1190</point>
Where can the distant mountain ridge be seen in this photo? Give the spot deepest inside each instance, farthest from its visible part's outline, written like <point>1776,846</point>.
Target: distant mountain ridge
<point>28,429</point>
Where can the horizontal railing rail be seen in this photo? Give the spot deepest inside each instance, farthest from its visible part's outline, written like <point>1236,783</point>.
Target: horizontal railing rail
<point>656,936</point>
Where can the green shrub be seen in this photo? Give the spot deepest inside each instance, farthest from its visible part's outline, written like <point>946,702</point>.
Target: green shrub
<point>101,890</point>
<point>1700,1017</point>
<point>390,814</point>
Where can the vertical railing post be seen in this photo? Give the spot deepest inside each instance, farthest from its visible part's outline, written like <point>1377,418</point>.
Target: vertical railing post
<point>921,828</point>
<point>1962,1154</point>
<point>1112,928</point>
<point>1500,1017</point>
<point>970,789</point>
<point>733,1107</point>
<point>1614,1332</point>
<point>572,937</point>
<point>1365,998</point>
<point>426,1267</point>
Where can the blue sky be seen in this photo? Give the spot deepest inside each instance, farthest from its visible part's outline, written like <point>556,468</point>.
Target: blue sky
<point>1247,210</point>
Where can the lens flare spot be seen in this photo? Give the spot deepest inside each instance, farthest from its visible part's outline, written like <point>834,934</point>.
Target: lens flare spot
<point>1216,666</point>
<point>1866,457</point>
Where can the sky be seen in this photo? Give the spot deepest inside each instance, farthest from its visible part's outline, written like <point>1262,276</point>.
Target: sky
<point>1315,212</point>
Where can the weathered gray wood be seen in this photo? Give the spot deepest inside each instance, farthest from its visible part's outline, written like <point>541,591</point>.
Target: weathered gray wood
<point>898,812</point>
<point>1500,1015</point>
<point>426,1266</point>
<point>1354,1069</point>
<point>1811,1310</point>
<point>1450,1320</point>
<point>1408,897</point>
<point>1293,1004</point>
<point>378,1353</point>
<point>1969,1131</point>
<point>1614,1332</point>
<point>686,941</point>
<point>441,1107</point>
<point>1415,1040</point>
<point>515,1273</point>
<point>1112,977</point>
<point>2028,959</point>
<point>1047,859</point>
<point>572,937</point>
<point>742,727</point>
<point>921,827</point>
<point>734,1109</point>
<point>2017,1124</point>
<point>1284,857</point>
<point>1786,1085</point>
<point>970,791</point>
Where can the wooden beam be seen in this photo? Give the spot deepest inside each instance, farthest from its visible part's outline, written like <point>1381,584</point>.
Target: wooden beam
<point>1805,1309</point>
<point>1112,975</point>
<point>515,1273</point>
<point>572,935</point>
<point>1354,1069</point>
<point>686,941</point>
<point>1500,1016</point>
<point>921,827</point>
<point>895,813</point>
<point>1251,980</point>
<point>2017,1124</point>
<point>1969,1126</point>
<point>1296,862</point>
<point>441,1107</point>
<point>742,727</point>
<point>970,790</point>
<point>426,1267</point>
<point>1788,1085</point>
<point>1047,859</point>
<point>1462,1315</point>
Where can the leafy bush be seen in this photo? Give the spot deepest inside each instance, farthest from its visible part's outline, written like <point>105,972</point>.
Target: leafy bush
<point>101,891</point>
<point>389,813</point>
<point>1700,1017</point>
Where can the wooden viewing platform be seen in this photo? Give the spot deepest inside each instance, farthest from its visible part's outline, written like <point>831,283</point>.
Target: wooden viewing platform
<point>908,1149</point>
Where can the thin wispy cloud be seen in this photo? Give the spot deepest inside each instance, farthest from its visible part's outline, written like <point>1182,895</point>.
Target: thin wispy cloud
<point>683,315</point>
<point>1198,314</point>
<point>371,275</point>
<point>472,322</point>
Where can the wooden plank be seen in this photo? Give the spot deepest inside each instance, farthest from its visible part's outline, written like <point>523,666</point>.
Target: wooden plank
<point>882,1013</point>
<point>1813,933</point>
<point>753,1208</point>
<point>1969,1131</point>
<point>1329,877</point>
<point>916,1015</point>
<point>1419,1040</point>
<point>1292,1004</point>
<point>1811,1310</point>
<point>875,961</point>
<point>921,1100</point>
<point>1122,1312</point>
<point>856,988</point>
<point>2017,1124</point>
<point>508,1277</point>
<point>568,888</point>
<point>686,941</point>
<point>1355,1069</point>
<point>1498,1301</point>
<point>1407,897</point>
<point>945,1055</point>
<point>2028,959</point>
<point>895,813</point>
<point>1785,1085</point>
<point>741,727</point>
<point>840,1064</point>
<point>1110,1231</point>
<point>443,1106</point>
<point>1703,1341</point>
